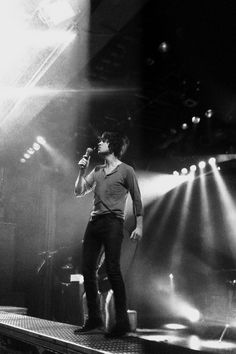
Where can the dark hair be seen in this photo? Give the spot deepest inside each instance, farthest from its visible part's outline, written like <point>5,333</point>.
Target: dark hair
<point>117,142</point>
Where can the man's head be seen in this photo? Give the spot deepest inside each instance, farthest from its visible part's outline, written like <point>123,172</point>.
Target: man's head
<point>113,142</point>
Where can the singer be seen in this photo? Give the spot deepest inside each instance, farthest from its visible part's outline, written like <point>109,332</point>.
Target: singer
<point>111,183</point>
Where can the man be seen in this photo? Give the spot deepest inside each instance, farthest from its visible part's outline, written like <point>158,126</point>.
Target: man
<point>111,183</point>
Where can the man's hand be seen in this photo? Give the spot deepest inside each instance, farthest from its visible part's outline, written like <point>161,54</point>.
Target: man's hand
<point>137,234</point>
<point>84,162</point>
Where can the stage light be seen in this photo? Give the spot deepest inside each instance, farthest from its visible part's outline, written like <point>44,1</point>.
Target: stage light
<point>54,12</point>
<point>209,113</point>
<point>163,47</point>
<point>171,276</point>
<point>202,164</point>
<point>27,156</point>
<point>193,168</point>
<point>176,173</point>
<point>212,161</point>
<point>184,171</point>
<point>196,120</point>
<point>36,146</point>
<point>41,140</point>
<point>22,160</point>
<point>31,151</point>
<point>184,126</point>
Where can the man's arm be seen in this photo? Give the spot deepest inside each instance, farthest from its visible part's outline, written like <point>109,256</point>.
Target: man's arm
<point>137,234</point>
<point>137,204</point>
<point>83,184</point>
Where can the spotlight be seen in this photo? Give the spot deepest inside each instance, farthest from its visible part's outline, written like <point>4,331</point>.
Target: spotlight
<point>30,151</point>
<point>209,113</point>
<point>202,164</point>
<point>193,168</point>
<point>36,146</point>
<point>163,47</point>
<point>26,156</point>
<point>184,171</point>
<point>184,126</point>
<point>171,276</point>
<point>176,173</point>
<point>196,120</point>
<point>41,140</point>
<point>22,160</point>
<point>212,161</point>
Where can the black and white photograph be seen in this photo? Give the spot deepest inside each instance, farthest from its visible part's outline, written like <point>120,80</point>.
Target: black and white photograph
<point>117,176</point>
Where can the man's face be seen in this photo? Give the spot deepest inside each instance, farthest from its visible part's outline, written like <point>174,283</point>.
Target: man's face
<point>103,147</point>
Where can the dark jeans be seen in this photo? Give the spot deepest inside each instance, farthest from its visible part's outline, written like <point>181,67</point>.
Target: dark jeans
<point>105,231</point>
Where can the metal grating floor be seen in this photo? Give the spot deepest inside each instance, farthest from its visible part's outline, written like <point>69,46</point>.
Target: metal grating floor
<point>60,338</point>
<point>62,335</point>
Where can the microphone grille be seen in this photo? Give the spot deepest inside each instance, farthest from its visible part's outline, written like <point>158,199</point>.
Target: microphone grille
<point>89,151</point>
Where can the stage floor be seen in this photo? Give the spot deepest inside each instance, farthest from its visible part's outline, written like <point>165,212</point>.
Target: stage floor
<point>60,338</point>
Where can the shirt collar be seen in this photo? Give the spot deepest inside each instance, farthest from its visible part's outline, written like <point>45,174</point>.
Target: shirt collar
<point>113,171</point>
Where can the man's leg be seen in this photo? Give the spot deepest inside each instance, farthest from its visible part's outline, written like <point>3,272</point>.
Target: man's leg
<point>113,238</point>
<point>91,251</point>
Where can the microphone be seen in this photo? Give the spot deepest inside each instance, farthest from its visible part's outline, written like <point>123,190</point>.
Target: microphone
<point>86,156</point>
<point>88,153</point>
